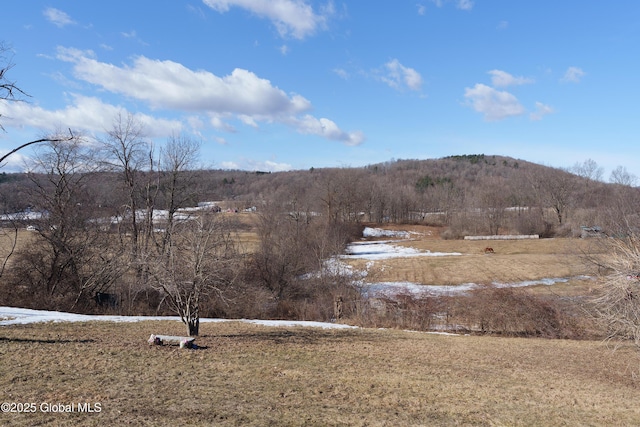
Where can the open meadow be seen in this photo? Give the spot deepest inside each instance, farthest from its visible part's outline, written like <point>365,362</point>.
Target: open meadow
<point>443,262</point>
<point>253,375</point>
<point>105,373</point>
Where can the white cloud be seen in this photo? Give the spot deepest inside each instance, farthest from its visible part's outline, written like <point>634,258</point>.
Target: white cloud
<point>256,165</point>
<point>464,4</point>
<point>421,9</point>
<point>130,35</point>
<point>218,123</point>
<point>171,86</point>
<point>460,4</point>
<point>326,129</point>
<point>284,49</point>
<point>503,25</point>
<point>341,72</point>
<point>398,76</point>
<point>14,163</point>
<point>275,167</point>
<point>57,17</point>
<point>195,122</point>
<point>86,113</point>
<point>541,111</point>
<point>133,35</point>
<point>503,79</point>
<point>248,120</point>
<point>294,18</point>
<point>229,165</point>
<point>493,104</point>
<point>573,75</point>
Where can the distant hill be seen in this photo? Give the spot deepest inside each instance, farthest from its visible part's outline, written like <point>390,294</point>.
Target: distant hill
<point>444,191</point>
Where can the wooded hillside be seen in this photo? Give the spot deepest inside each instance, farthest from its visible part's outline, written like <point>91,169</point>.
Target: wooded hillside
<point>122,237</point>
<point>470,194</point>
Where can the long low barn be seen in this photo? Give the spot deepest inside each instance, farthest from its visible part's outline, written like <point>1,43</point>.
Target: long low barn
<point>504,237</point>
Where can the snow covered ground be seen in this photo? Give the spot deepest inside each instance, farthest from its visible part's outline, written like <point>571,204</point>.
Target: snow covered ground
<point>385,249</point>
<point>380,232</point>
<point>391,289</point>
<point>23,316</point>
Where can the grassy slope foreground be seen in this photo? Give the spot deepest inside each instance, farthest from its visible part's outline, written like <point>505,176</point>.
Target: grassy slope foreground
<point>250,375</point>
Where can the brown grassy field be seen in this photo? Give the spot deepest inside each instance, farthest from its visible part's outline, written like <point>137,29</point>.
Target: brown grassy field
<point>250,375</point>
<point>7,238</point>
<point>512,261</point>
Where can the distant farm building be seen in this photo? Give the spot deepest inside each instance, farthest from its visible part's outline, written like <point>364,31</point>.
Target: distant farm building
<point>591,232</point>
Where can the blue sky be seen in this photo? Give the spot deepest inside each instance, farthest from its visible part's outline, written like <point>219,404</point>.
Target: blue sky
<point>293,84</point>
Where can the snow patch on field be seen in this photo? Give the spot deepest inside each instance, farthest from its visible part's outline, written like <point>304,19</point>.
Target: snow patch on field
<point>392,289</point>
<point>380,232</point>
<point>385,249</point>
<point>23,316</point>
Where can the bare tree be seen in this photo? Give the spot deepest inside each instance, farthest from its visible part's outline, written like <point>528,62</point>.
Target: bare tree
<point>9,90</point>
<point>493,202</point>
<point>199,264</point>
<point>128,153</point>
<point>588,169</point>
<point>177,159</point>
<point>9,241</point>
<point>72,259</point>
<point>281,255</point>
<point>292,259</point>
<point>621,176</point>
<point>554,188</point>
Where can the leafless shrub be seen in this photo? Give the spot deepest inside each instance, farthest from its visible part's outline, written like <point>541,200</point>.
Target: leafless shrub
<point>401,311</point>
<point>617,302</point>
<point>530,223</point>
<point>291,261</point>
<point>516,312</point>
<point>242,300</point>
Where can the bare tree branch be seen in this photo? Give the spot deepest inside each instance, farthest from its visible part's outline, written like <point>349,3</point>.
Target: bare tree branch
<point>2,159</point>
<point>9,91</point>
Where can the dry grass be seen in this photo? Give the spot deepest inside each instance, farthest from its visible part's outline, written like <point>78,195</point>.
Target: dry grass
<point>6,240</point>
<point>258,376</point>
<point>513,261</point>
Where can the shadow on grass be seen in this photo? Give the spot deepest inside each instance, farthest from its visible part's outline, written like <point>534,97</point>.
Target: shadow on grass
<point>45,341</point>
<point>300,336</point>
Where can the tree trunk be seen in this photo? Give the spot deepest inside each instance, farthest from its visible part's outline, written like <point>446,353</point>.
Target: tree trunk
<point>193,326</point>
